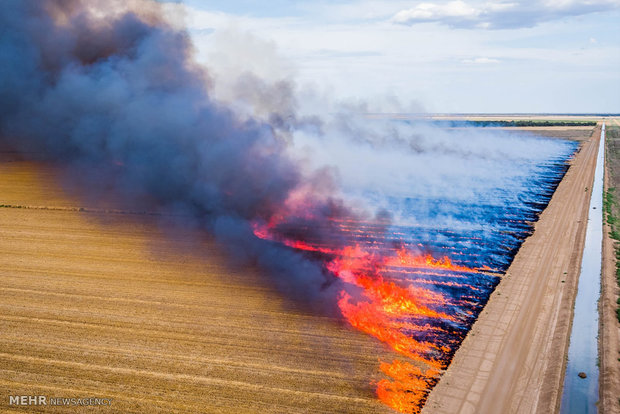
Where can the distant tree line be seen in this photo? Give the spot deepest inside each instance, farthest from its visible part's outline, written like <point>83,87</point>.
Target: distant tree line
<point>526,123</point>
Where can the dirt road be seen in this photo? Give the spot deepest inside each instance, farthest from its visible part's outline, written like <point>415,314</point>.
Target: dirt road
<point>513,359</point>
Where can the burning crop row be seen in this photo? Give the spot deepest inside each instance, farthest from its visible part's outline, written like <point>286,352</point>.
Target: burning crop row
<point>391,294</point>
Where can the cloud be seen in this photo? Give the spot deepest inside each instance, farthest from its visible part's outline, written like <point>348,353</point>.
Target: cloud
<point>498,15</point>
<point>376,57</point>
<point>480,61</point>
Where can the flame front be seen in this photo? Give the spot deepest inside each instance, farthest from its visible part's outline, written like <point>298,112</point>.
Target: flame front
<point>408,387</point>
<point>389,294</point>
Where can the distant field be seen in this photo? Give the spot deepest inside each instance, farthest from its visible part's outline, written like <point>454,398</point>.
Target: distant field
<point>525,117</point>
<point>512,118</point>
<point>519,123</point>
<point>101,305</point>
<point>573,127</point>
<point>565,126</point>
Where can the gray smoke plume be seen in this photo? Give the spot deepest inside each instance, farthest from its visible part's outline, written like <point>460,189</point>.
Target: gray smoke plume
<point>111,91</point>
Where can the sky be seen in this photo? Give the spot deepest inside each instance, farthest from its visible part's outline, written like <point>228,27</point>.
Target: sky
<point>463,56</point>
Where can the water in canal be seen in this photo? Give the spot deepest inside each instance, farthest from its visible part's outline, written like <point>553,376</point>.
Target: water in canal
<point>580,395</point>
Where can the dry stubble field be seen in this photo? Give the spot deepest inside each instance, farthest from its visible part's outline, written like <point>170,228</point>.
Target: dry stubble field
<point>102,305</point>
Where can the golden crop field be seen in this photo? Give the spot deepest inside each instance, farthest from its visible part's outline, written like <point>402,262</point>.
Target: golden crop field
<point>105,305</point>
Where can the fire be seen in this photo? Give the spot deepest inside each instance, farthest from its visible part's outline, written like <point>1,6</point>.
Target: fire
<point>407,389</point>
<point>369,318</point>
<point>405,258</point>
<point>389,296</point>
<point>353,267</point>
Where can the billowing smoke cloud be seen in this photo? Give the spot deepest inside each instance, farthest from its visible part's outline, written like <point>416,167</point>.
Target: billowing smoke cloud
<point>111,90</point>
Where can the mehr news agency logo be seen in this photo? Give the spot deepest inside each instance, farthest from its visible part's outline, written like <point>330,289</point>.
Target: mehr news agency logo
<point>43,400</point>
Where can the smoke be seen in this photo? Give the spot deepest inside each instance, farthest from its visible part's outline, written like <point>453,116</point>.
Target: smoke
<point>111,91</point>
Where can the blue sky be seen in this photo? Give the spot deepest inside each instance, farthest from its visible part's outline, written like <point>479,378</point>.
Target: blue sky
<point>440,56</point>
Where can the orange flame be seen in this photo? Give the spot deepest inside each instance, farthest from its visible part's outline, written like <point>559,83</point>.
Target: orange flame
<point>407,389</point>
<point>395,300</point>
<point>389,311</point>
<point>405,258</point>
<point>369,318</point>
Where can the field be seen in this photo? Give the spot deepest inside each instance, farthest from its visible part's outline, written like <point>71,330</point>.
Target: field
<point>115,304</point>
<point>102,305</point>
